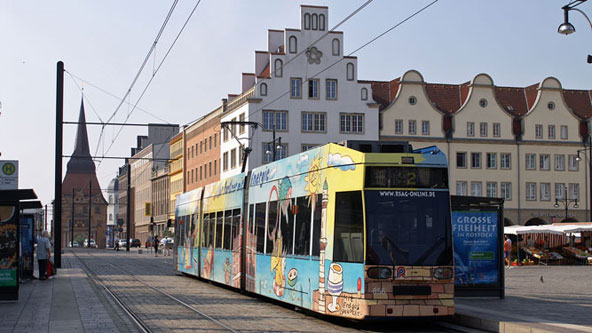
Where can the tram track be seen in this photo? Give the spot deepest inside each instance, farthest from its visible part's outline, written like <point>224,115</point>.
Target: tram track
<point>134,314</point>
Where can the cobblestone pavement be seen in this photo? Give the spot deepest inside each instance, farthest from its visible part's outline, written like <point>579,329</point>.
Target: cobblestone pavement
<point>240,312</point>
<point>556,297</point>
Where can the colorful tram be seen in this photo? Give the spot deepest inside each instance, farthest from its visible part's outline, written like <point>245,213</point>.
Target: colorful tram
<point>334,230</point>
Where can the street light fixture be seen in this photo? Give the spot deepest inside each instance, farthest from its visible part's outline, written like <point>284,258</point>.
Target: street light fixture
<point>566,203</point>
<point>567,28</point>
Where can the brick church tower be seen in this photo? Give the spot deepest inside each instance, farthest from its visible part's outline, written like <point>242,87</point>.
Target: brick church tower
<point>81,194</point>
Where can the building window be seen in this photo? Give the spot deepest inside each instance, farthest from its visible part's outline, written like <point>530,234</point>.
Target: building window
<point>476,190</point>
<point>307,146</point>
<point>350,71</point>
<point>574,191</point>
<point>412,127</point>
<point>530,191</point>
<point>295,87</point>
<point>215,167</point>
<point>530,161</point>
<point>209,169</point>
<point>476,160</point>
<point>336,47</point>
<point>492,189</point>
<point>538,131</point>
<point>293,46</point>
<point>278,67</point>
<point>331,89</point>
<point>233,158</point>
<point>483,130</point>
<point>564,135</point>
<point>225,161</point>
<point>210,142</point>
<point>559,191</point>
<point>351,123</point>
<point>280,152</point>
<point>573,163</point>
<point>470,129</point>
<point>412,100</point>
<point>496,130</point>
<point>306,21</point>
<point>551,131</point>
<point>225,133</point>
<point>241,128</point>
<point>398,126</point>
<point>205,145</point>
<point>263,89</point>
<point>215,140</point>
<point>506,191</point>
<point>545,194</point>
<point>491,160</point>
<point>559,162</point>
<point>461,160</point>
<point>425,127</point>
<point>321,22</point>
<point>279,119</point>
<point>313,121</point>
<point>191,176</point>
<point>551,106</point>
<point>461,188</point>
<point>364,94</point>
<point>313,88</point>
<point>506,161</point>
<point>200,173</point>
<point>482,102</point>
<point>545,162</point>
<point>315,21</point>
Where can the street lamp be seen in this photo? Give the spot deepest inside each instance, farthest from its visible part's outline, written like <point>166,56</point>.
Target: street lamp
<point>566,203</point>
<point>567,28</point>
<point>275,148</point>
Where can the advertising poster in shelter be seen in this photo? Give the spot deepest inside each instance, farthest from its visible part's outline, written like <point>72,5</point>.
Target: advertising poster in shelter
<point>475,247</point>
<point>8,246</point>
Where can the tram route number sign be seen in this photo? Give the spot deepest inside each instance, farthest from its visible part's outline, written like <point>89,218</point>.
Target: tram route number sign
<point>8,175</point>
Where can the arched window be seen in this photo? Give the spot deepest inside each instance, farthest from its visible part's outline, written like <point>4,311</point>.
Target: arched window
<point>364,94</point>
<point>315,21</point>
<point>336,47</point>
<point>306,21</point>
<point>293,44</point>
<point>350,71</point>
<point>263,89</point>
<point>321,22</point>
<point>278,68</point>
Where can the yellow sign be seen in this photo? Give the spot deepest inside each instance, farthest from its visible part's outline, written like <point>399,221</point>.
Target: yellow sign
<point>8,168</point>
<point>148,209</point>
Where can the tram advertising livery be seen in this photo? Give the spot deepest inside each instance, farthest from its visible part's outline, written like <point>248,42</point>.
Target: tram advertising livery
<point>333,230</point>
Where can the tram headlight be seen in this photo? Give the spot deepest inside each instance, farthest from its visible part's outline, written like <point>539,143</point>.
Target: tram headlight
<point>380,272</point>
<point>443,273</point>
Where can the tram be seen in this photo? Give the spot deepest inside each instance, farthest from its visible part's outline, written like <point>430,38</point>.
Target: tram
<point>338,230</point>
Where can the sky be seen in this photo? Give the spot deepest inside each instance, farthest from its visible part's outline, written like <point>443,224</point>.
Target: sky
<point>104,43</point>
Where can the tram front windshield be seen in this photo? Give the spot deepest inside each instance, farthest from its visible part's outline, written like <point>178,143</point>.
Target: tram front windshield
<point>408,228</point>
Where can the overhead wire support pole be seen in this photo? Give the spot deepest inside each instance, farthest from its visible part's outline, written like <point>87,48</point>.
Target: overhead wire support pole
<point>57,212</point>
<point>247,150</point>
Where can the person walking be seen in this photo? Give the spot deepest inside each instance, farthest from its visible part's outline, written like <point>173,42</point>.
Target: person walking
<point>167,247</point>
<point>116,244</point>
<point>507,251</point>
<point>156,246</point>
<point>43,254</point>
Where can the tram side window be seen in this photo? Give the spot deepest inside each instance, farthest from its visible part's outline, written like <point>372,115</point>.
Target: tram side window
<point>287,226</point>
<point>260,226</point>
<point>180,225</point>
<point>348,241</point>
<point>303,219</point>
<point>205,230</point>
<point>250,225</point>
<point>219,225</point>
<point>212,229</point>
<point>316,226</point>
<point>272,225</point>
<point>227,226</point>
<point>236,216</point>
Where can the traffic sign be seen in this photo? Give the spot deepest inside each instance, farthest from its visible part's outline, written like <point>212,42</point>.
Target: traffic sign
<point>8,175</point>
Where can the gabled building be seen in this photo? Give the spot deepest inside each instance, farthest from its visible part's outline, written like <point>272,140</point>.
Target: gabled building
<point>82,198</point>
<point>520,144</point>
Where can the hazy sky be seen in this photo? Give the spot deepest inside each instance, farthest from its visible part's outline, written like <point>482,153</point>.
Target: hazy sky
<point>104,42</point>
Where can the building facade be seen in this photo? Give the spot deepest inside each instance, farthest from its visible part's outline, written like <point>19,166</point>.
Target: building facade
<point>520,144</point>
<point>303,90</point>
<point>202,151</point>
<point>176,179</point>
<point>160,199</point>
<point>112,210</point>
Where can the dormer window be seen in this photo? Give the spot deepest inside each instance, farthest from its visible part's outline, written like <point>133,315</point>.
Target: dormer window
<point>336,47</point>
<point>293,44</point>
<point>307,21</point>
<point>350,71</point>
<point>263,89</point>
<point>278,68</point>
<point>321,22</point>
<point>315,21</point>
<point>364,94</point>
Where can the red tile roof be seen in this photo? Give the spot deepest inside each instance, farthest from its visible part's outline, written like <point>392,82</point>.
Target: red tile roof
<point>464,92</point>
<point>265,72</point>
<point>531,94</point>
<point>512,100</point>
<point>445,97</point>
<point>579,101</point>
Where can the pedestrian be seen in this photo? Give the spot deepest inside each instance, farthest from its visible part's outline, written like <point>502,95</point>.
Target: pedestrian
<point>116,243</point>
<point>167,247</point>
<point>507,251</point>
<point>43,254</point>
<point>156,246</point>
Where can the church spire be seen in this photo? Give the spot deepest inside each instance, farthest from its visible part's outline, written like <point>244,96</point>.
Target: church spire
<point>81,161</point>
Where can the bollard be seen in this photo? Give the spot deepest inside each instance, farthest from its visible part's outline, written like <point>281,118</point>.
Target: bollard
<point>139,251</point>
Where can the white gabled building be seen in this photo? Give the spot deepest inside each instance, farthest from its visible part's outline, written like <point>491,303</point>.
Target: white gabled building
<point>306,88</point>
